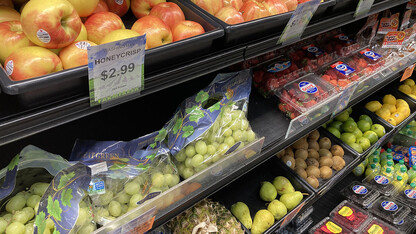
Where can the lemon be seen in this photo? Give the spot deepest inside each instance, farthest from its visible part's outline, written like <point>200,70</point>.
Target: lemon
<point>409,82</point>
<point>412,95</point>
<point>373,106</point>
<point>392,121</point>
<point>404,110</point>
<point>384,113</point>
<point>401,102</point>
<point>398,116</point>
<point>390,107</point>
<point>389,99</point>
<point>405,89</point>
<point>414,90</point>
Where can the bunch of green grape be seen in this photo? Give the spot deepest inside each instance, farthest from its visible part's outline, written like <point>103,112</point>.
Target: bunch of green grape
<point>230,127</point>
<point>122,195</point>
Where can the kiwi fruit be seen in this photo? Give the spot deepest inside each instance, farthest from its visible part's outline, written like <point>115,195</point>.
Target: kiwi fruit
<point>313,154</point>
<point>301,172</point>
<point>313,145</point>
<point>326,172</point>
<point>324,153</point>
<point>337,150</point>
<point>281,154</point>
<point>313,181</point>
<point>326,161</point>
<point>289,151</point>
<point>301,153</point>
<point>314,135</point>
<point>312,162</point>
<point>338,164</point>
<point>300,163</point>
<point>313,171</point>
<point>300,144</point>
<point>289,161</point>
<point>325,143</point>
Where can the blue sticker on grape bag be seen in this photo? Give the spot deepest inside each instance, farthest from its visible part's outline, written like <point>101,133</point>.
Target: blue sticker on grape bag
<point>308,87</point>
<point>401,222</point>
<point>343,68</point>
<point>279,66</point>
<point>370,54</point>
<point>389,206</point>
<point>359,189</point>
<point>410,193</point>
<point>96,186</point>
<point>381,180</point>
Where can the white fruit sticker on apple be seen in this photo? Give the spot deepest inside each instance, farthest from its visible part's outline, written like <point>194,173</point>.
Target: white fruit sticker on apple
<point>83,45</point>
<point>9,67</point>
<point>119,2</point>
<point>43,36</point>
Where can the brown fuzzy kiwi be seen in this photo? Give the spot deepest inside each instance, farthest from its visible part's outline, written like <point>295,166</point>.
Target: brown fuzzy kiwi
<point>314,135</point>
<point>313,145</point>
<point>301,153</point>
<point>280,154</point>
<point>313,171</point>
<point>301,172</point>
<point>300,144</point>
<point>300,163</point>
<point>312,162</point>
<point>326,172</point>
<point>337,150</point>
<point>289,161</point>
<point>338,164</point>
<point>326,161</point>
<point>290,152</point>
<point>325,143</point>
<point>313,181</point>
<point>324,153</point>
<point>313,154</point>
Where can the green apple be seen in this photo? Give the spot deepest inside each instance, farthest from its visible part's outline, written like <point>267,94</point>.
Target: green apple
<point>378,129</point>
<point>363,142</point>
<point>363,125</point>
<point>349,126</point>
<point>343,116</point>
<point>350,118</point>
<point>372,136</point>
<point>348,137</point>
<point>356,147</point>
<point>334,131</point>
<point>357,133</point>
<point>366,117</point>
<point>349,110</point>
<point>336,124</point>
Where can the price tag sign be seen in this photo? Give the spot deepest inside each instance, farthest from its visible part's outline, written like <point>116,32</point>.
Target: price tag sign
<point>408,72</point>
<point>298,22</point>
<point>393,39</point>
<point>388,24</point>
<point>116,69</point>
<point>344,99</point>
<point>363,7</point>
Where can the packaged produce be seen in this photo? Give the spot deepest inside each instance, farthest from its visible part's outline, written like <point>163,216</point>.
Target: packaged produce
<point>382,182</point>
<point>360,193</point>
<point>407,154</point>
<point>341,44</point>
<point>412,173</point>
<point>376,225</point>
<point>402,172</point>
<point>299,96</point>
<point>327,225</point>
<point>340,74</point>
<point>366,62</point>
<point>312,55</point>
<point>408,196</point>
<point>211,124</point>
<point>350,215</point>
<point>390,209</point>
<point>371,171</point>
<point>407,225</point>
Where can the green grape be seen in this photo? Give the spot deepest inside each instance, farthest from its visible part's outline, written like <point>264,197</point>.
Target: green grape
<point>190,151</point>
<point>168,169</point>
<point>87,229</point>
<point>215,144</point>
<point>123,197</point>
<point>200,168</point>
<point>82,216</point>
<point>188,163</point>
<point>174,181</point>
<point>181,167</point>
<point>244,124</point>
<point>47,231</point>
<point>237,114</point>
<point>15,228</point>
<point>39,188</point>
<point>20,216</point>
<point>33,200</point>
<point>158,180</point>
<point>134,199</point>
<point>105,198</point>
<point>3,225</point>
<point>124,208</point>
<point>223,148</point>
<point>251,136</point>
<point>155,190</point>
<point>8,217</point>
<point>212,138</point>
<point>36,208</point>
<point>16,203</point>
<point>197,160</point>
<point>235,124</point>
<point>29,228</point>
<point>168,179</point>
<point>238,135</point>
<point>30,213</point>
<point>50,224</point>
<point>25,194</point>
<point>100,213</point>
<point>141,179</point>
<point>214,128</point>
<point>211,149</point>
<point>226,119</point>
<point>229,141</point>
<point>240,146</point>
<point>114,208</point>
<point>201,147</point>
<point>215,157</point>
<point>131,188</point>
<point>188,172</point>
<point>207,159</point>
<point>181,156</point>
<point>220,139</point>
<point>227,132</point>
<point>82,204</point>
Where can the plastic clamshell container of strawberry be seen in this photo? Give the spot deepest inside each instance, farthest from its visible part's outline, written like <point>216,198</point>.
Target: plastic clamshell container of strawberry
<point>327,225</point>
<point>381,184</point>
<point>407,225</point>
<point>390,209</point>
<point>408,197</point>
<point>340,74</point>
<point>360,193</point>
<point>366,61</point>
<point>338,42</point>
<point>350,215</point>
<point>376,226</point>
<point>301,95</point>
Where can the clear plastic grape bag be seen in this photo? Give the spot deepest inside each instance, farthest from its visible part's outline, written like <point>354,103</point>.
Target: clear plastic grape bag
<point>211,124</point>
<point>125,173</point>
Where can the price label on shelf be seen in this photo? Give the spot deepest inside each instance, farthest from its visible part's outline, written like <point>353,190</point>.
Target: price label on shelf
<point>344,99</point>
<point>298,22</point>
<point>408,72</point>
<point>388,24</point>
<point>363,7</point>
<point>393,39</point>
<point>116,69</point>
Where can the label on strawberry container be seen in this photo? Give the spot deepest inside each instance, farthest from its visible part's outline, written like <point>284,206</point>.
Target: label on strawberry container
<point>331,227</point>
<point>343,68</point>
<point>410,193</point>
<point>308,87</point>
<point>360,190</point>
<point>379,179</point>
<point>375,229</point>
<point>389,206</point>
<point>314,50</point>
<point>347,212</point>
<point>370,54</point>
<point>279,66</point>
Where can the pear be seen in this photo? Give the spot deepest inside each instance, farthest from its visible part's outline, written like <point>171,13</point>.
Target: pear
<point>267,191</point>
<point>277,208</point>
<point>291,200</point>
<point>242,213</point>
<point>283,185</point>
<point>263,220</point>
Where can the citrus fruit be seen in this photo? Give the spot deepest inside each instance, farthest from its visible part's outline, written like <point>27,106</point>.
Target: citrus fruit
<point>336,124</point>
<point>343,116</point>
<point>405,89</point>
<point>334,131</point>
<point>392,121</point>
<point>391,107</point>
<point>372,136</point>
<point>398,116</point>
<point>348,138</point>
<point>409,82</point>
<point>373,106</point>
<point>404,110</point>
<point>384,113</point>
<point>401,102</point>
<point>363,125</point>
<point>357,133</point>
<point>349,126</point>
<point>389,99</point>
<point>356,147</point>
<point>367,118</point>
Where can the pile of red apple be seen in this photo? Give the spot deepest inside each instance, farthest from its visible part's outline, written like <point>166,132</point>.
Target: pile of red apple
<point>238,11</point>
<point>49,36</point>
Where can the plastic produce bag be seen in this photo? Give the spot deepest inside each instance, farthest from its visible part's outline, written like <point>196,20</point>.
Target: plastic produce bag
<point>125,174</point>
<point>211,124</point>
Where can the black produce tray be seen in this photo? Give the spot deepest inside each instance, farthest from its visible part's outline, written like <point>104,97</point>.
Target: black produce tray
<point>246,189</point>
<point>254,29</point>
<point>71,82</point>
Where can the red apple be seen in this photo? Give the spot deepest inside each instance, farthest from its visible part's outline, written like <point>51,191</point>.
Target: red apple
<point>31,61</point>
<point>11,38</point>
<point>211,6</point>
<point>76,54</point>
<point>169,12</point>
<point>157,32</point>
<point>290,4</point>
<point>237,4</point>
<point>275,7</point>
<point>186,29</point>
<point>142,8</point>
<point>253,9</point>
<point>8,14</point>
<point>229,15</point>
<point>84,8</point>
<point>101,6</point>
<point>7,3</point>
<point>119,7</point>
<point>100,24</point>
<point>52,24</point>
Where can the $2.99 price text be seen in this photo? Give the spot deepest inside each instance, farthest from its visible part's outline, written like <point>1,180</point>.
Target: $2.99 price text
<point>112,72</point>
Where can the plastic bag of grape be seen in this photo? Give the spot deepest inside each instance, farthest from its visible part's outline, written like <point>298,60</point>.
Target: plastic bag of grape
<point>127,172</point>
<point>211,124</point>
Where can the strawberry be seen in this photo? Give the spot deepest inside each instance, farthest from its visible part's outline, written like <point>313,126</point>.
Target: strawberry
<point>282,107</point>
<point>258,76</point>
